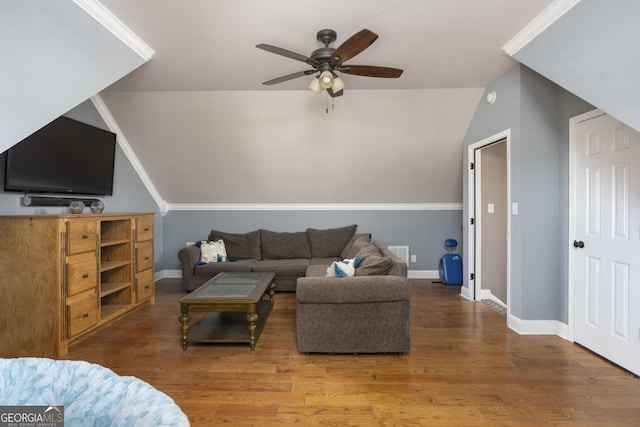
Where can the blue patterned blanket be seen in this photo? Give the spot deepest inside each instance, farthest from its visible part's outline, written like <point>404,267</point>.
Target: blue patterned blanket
<point>92,395</point>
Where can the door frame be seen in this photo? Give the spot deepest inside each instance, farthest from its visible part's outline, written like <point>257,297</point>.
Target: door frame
<point>474,236</point>
<point>573,138</point>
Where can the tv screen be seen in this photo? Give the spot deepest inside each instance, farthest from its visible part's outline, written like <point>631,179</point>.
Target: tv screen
<point>66,156</point>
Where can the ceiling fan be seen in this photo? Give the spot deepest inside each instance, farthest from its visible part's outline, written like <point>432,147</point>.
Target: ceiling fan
<point>326,61</point>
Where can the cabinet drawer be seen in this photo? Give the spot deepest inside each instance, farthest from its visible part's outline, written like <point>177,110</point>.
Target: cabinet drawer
<point>82,236</point>
<point>82,315</point>
<point>81,276</point>
<point>144,285</point>
<point>144,228</point>
<point>144,256</point>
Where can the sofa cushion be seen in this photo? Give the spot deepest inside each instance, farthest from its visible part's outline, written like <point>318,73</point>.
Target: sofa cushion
<point>275,245</point>
<point>283,267</point>
<point>355,244</point>
<point>316,270</point>
<point>323,261</point>
<point>211,269</point>
<point>330,242</point>
<point>239,246</point>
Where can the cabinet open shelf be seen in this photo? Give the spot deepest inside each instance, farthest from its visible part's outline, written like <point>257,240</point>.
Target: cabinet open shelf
<point>110,310</point>
<point>104,244</point>
<point>109,288</point>
<point>112,265</point>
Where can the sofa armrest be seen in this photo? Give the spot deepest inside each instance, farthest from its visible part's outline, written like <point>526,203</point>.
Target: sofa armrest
<point>188,257</point>
<point>399,267</point>
<point>349,290</point>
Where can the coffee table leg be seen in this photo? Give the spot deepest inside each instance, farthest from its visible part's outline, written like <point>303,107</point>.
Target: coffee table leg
<point>272,293</point>
<point>184,320</point>
<point>252,318</point>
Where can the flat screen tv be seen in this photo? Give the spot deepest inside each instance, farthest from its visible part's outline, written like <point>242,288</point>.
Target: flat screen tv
<point>64,157</point>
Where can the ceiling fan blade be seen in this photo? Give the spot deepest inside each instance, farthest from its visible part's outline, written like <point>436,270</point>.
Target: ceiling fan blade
<point>372,71</point>
<point>288,77</point>
<point>353,46</point>
<point>287,53</point>
<point>336,94</point>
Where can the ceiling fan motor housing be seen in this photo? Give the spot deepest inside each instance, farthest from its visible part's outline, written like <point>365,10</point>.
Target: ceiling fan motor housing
<point>327,60</point>
<point>326,37</point>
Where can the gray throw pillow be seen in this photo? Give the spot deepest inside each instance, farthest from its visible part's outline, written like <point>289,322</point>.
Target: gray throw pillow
<point>330,242</point>
<point>374,266</point>
<point>239,246</point>
<point>355,244</point>
<point>367,250</point>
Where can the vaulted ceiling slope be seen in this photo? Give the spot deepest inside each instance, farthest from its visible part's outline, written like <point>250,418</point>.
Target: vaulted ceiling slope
<point>206,45</point>
<point>208,132</point>
<point>591,50</point>
<point>56,56</point>
<point>200,99</point>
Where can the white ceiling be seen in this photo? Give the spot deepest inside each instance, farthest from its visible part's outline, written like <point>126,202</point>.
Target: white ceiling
<point>209,45</point>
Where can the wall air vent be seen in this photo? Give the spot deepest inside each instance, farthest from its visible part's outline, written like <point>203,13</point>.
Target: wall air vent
<point>401,251</point>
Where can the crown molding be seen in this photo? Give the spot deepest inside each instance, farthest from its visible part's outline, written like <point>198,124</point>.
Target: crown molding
<point>540,23</point>
<point>97,11</point>
<point>128,151</point>
<point>317,207</point>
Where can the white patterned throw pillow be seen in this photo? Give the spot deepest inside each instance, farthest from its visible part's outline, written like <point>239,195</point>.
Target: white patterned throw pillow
<point>345,268</point>
<point>213,251</point>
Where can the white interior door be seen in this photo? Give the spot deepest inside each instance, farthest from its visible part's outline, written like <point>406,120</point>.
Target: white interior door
<point>606,233</point>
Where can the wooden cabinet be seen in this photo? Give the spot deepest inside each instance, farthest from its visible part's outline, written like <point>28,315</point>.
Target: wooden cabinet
<point>62,276</point>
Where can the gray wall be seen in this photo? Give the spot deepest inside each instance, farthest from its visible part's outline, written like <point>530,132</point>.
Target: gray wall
<point>537,111</point>
<point>129,192</point>
<point>423,231</point>
<point>592,51</point>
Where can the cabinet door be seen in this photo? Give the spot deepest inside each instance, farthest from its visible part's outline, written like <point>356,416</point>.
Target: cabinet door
<point>82,315</point>
<point>144,255</point>
<point>144,285</point>
<point>144,228</point>
<point>82,275</point>
<point>82,236</point>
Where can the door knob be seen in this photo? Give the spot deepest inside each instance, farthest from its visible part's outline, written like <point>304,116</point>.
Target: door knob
<point>578,244</point>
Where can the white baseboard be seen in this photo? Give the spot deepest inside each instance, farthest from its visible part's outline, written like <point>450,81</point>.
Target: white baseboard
<point>168,274</point>
<point>423,274</point>
<point>466,293</point>
<point>486,294</point>
<point>539,327</point>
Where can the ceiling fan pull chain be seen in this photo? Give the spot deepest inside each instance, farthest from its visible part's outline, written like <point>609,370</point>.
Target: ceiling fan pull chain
<point>326,102</point>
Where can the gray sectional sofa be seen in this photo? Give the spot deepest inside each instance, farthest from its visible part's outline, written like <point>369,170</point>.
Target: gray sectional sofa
<point>366,313</point>
<point>288,254</point>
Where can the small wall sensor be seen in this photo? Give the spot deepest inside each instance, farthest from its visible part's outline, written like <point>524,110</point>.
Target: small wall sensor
<point>491,97</point>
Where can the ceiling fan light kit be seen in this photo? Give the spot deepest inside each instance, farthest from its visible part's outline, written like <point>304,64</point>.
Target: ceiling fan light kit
<point>327,61</point>
<point>326,79</point>
<point>338,84</point>
<point>315,85</point>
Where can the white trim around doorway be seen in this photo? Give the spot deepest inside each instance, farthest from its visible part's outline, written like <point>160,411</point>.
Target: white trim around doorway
<point>473,291</point>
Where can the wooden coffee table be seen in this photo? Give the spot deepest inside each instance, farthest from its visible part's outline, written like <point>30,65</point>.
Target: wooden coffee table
<point>238,309</point>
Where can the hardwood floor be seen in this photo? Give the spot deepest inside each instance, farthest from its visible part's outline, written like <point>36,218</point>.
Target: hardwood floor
<point>465,368</point>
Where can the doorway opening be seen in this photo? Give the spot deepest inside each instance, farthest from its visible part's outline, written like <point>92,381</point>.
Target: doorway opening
<point>489,219</point>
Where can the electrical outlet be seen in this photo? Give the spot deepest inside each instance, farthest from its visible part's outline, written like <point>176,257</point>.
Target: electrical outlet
<point>413,258</point>
<point>191,243</point>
